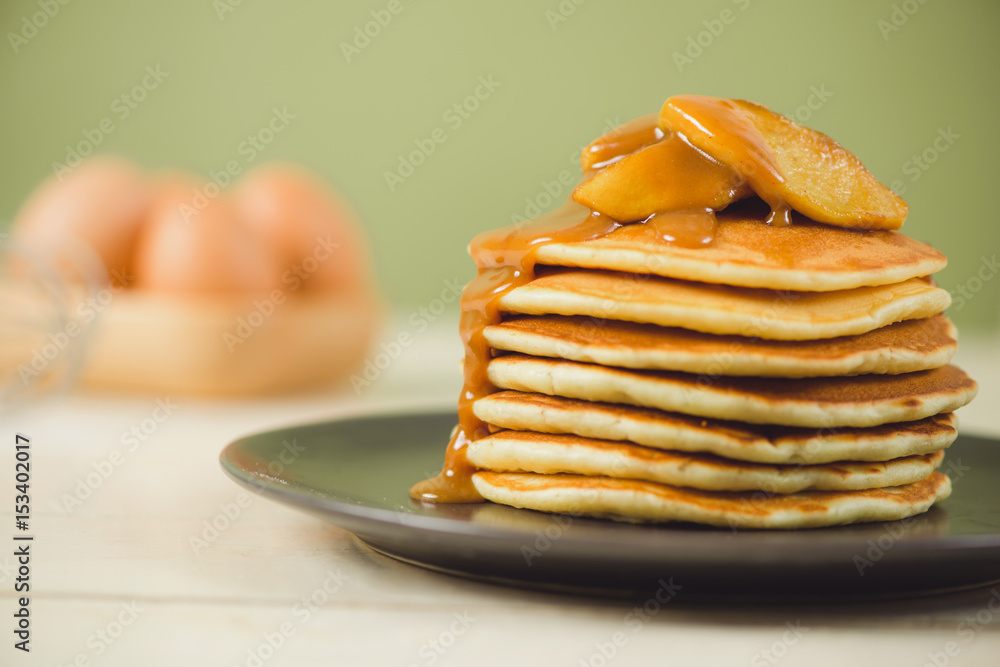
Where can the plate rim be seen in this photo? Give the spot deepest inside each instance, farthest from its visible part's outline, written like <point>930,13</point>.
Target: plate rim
<point>705,539</point>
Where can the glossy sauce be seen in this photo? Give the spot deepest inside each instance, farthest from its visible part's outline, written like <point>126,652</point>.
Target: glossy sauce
<point>691,228</point>
<point>739,143</point>
<point>505,258</point>
<point>621,141</point>
<point>668,175</point>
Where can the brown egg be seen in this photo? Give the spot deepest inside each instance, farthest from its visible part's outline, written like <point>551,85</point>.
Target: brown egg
<point>196,243</point>
<point>303,217</point>
<point>102,202</point>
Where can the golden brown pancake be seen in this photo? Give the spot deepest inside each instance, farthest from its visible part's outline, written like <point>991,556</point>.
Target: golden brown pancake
<point>667,347</point>
<point>863,400</point>
<point>636,501</point>
<point>545,453</point>
<point>805,256</point>
<point>748,442</point>
<point>912,345</point>
<point>720,309</point>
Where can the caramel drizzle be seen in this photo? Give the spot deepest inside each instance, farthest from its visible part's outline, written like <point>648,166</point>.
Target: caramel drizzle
<point>723,118</point>
<point>623,140</point>
<point>505,259</point>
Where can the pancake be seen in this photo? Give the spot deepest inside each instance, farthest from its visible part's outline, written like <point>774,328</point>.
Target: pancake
<point>523,451</point>
<point>863,400</point>
<point>635,501</point>
<point>679,341</point>
<point>904,347</point>
<point>720,309</point>
<point>805,256</point>
<point>732,440</point>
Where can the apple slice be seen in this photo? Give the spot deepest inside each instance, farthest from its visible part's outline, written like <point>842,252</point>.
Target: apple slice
<point>621,141</point>
<point>786,164</point>
<point>666,176</point>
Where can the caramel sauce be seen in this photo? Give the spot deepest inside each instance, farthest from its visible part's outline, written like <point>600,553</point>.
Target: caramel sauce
<point>665,176</point>
<point>696,180</point>
<point>739,143</point>
<point>621,141</point>
<point>690,228</point>
<point>505,258</point>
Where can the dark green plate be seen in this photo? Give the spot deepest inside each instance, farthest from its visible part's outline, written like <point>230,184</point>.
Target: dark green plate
<point>356,473</point>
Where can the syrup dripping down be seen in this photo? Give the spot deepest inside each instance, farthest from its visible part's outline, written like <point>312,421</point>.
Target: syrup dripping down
<point>505,258</point>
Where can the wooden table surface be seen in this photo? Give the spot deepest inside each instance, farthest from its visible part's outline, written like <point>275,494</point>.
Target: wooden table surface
<point>126,571</point>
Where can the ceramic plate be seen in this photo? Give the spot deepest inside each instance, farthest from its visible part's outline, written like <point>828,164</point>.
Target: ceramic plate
<point>356,473</point>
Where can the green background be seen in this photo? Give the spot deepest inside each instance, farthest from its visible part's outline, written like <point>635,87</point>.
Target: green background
<point>561,83</point>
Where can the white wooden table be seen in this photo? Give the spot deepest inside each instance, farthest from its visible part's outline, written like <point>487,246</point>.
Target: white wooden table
<point>120,578</point>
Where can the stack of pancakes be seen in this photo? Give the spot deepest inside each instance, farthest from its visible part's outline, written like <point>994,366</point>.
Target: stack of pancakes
<point>782,377</point>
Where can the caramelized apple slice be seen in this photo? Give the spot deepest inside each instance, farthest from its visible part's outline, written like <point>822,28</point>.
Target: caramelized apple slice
<point>667,176</point>
<point>619,142</point>
<point>786,164</point>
